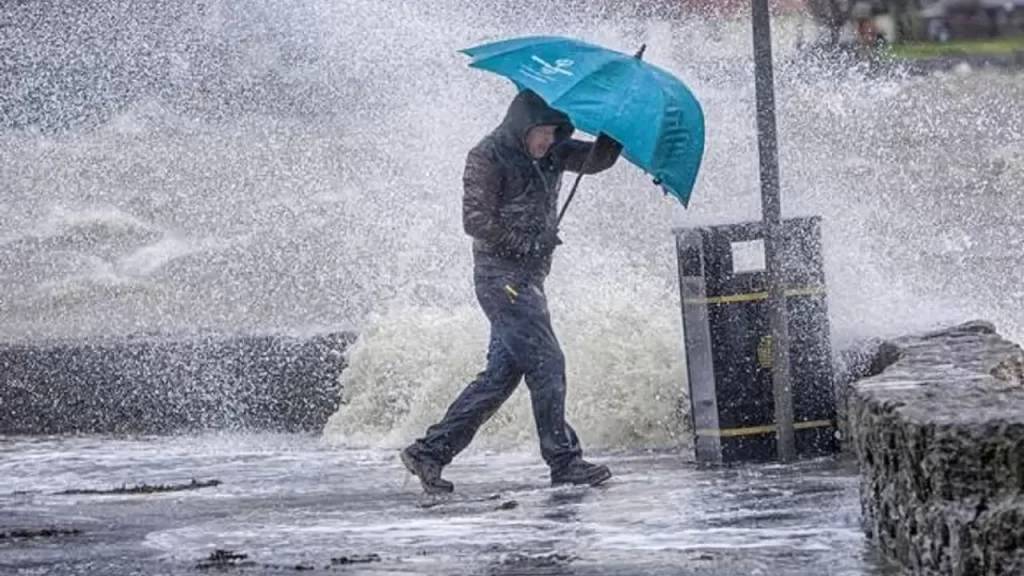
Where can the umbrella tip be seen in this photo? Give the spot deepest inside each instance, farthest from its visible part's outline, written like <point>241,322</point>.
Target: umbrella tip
<point>640,53</point>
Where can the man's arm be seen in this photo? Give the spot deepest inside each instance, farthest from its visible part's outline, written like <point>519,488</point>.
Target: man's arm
<point>481,188</point>
<point>574,154</point>
<point>481,185</point>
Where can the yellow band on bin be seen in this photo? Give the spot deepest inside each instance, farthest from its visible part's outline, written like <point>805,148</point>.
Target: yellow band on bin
<point>754,296</point>
<point>755,430</point>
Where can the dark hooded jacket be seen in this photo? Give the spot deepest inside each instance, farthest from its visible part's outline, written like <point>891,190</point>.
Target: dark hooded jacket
<point>510,202</point>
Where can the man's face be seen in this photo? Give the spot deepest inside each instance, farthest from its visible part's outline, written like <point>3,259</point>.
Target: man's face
<point>539,140</point>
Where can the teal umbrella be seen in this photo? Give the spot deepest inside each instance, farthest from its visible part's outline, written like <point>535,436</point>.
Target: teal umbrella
<point>649,111</point>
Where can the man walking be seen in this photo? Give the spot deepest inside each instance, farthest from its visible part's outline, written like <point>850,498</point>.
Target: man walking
<point>510,208</point>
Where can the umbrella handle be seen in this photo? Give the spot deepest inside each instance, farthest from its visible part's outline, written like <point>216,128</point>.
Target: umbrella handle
<point>639,56</point>
<point>576,184</point>
<point>565,206</point>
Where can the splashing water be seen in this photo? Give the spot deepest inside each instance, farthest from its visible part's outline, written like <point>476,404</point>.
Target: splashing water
<point>295,167</point>
<point>623,357</point>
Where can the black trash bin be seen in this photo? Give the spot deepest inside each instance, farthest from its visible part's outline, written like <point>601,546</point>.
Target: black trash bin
<point>729,347</point>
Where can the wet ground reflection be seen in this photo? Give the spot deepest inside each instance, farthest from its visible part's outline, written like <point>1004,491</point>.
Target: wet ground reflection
<point>292,503</point>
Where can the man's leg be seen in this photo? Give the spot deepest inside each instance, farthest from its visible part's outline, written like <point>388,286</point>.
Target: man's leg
<point>558,441</point>
<point>524,326</point>
<point>525,329</point>
<point>475,405</point>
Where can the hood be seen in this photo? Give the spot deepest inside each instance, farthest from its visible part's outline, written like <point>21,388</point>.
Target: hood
<point>526,111</point>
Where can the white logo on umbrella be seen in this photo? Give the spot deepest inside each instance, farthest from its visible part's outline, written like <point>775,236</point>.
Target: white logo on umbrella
<point>545,71</point>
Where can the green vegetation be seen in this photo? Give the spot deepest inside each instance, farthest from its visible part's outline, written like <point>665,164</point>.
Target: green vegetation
<point>980,47</point>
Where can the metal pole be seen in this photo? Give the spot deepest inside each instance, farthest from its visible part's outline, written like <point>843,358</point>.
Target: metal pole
<point>772,214</point>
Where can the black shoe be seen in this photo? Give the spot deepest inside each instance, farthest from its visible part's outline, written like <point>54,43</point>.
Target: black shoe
<point>428,471</point>
<point>580,472</point>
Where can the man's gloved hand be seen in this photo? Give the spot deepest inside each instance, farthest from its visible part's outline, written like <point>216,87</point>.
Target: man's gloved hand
<point>544,244</point>
<point>516,244</point>
<point>520,244</point>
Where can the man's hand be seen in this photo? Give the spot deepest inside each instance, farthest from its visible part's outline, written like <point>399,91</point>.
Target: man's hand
<point>544,244</point>
<point>515,244</point>
<point>524,245</point>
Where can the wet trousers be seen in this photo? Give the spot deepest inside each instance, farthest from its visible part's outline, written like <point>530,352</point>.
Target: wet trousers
<point>522,344</point>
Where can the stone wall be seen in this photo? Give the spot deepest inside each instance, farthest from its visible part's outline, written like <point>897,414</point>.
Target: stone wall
<point>939,435</point>
<point>163,384</point>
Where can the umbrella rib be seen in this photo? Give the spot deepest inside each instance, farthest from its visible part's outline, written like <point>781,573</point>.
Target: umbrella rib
<point>576,83</point>
<point>661,134</point>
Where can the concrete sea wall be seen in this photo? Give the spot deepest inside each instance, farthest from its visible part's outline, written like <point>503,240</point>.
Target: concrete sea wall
<point>164,384</point>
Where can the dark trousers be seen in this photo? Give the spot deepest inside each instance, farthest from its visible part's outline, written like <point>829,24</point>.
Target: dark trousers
<point>522,345</point>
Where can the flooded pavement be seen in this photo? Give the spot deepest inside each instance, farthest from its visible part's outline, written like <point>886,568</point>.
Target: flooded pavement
<point>289,503</point>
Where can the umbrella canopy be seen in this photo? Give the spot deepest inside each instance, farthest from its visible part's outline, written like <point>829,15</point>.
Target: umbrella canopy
<point>649,111</point>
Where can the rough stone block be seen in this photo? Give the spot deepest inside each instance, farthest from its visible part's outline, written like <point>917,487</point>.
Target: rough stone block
<point>939,434</point>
